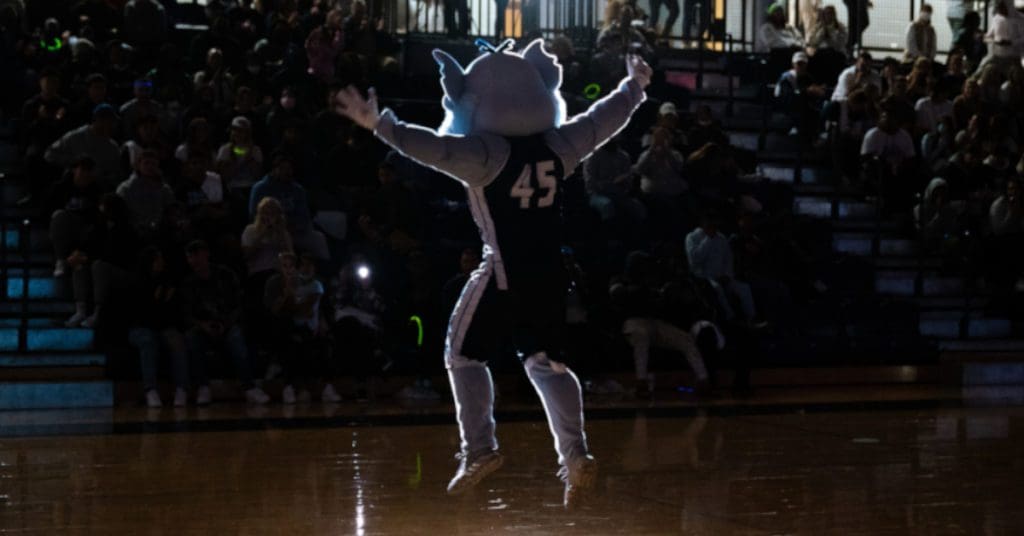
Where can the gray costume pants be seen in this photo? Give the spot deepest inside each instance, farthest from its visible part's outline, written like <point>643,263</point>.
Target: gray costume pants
<point>559,392</point>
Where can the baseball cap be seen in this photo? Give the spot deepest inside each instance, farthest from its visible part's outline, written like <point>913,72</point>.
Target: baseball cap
<point>800,57</point>
<point>667,108</point>
<point>241,122</point>
<point>104,110</point>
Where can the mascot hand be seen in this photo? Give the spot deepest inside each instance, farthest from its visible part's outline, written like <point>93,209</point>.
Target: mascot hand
<point>362,112</point>
<point>638,70</point>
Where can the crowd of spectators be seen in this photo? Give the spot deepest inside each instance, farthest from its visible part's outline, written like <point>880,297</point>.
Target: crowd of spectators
<point>204,197</point>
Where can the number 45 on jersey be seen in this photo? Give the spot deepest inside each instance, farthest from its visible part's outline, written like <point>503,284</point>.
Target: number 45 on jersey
<point>541,175</point>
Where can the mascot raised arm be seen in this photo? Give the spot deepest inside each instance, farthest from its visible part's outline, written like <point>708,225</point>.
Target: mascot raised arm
<point>505,137</point>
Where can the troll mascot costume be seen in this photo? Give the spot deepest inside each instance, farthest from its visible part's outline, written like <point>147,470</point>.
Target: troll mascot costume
<point>505,137</point>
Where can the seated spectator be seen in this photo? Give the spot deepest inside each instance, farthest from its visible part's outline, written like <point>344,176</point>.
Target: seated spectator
<point>95,95</point>
<point>105,263</point>
<point>898,104</point>
<point>920,79</point>
<point>358,315</point>
<point>156,325</point>
<point>797,95</point>
<point>827,42</point>
<point>198,141</point>
<point>956,71</point>
<point>94,140</point>
<point>661,167</point>
<point>240,161</point>
<point>1006,216</point>
<point>619,36</point>
<point>608,178</point>
<point>1005,254</point>
<point>966,104</point>
<point>938,144</point>
<point>920,37</point>
<point>710,257</point>
<point>286,112</point>
<point>857,76</point>
<point>145,22</point>
<point>893,149</point>
<point>936,218</point>
<point>776,33</point>
<point>141,106</point>
<point>970,40</point>
<point>668,118</point>
<point>145,192</point>
<point>323,45</point>
<point>642,296</point>
<point>1006,38</point>
<point>280,184</point>
<point>933,109</point>
<point>216,78</point>
<point>203,196</point>
<point>146,137</point>
<point>73,203</point>
<point>293,297</point>
<point>705,129</point>
<point>43,121</point>
<point>212,303</point>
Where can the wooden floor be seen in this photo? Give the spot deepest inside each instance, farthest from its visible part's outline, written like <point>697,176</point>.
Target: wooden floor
<point>931,465</point>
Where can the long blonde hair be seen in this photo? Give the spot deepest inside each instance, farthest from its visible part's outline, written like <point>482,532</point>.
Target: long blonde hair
<point>270,223</point>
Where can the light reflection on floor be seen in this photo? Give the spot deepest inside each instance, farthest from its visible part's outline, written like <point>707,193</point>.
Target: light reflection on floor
<point>921,471</point>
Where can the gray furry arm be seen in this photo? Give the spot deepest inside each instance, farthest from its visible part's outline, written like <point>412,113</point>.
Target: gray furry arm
<point>474,160</point>
<point>583,134</point>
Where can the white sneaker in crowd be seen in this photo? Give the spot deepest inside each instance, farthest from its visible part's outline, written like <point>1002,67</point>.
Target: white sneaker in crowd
<point>256,395</point>
<point>60,268</point>
<point>180,398</point>
<point>203,396</point>
<point>91,321</point>
<point>329,395</point>
<point>287,395</point>
<point>77,318</point>
<point>153,399</point>
<point>273,370</point>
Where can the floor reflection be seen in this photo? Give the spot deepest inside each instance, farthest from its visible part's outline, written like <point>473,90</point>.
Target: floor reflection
<point>882,472</point>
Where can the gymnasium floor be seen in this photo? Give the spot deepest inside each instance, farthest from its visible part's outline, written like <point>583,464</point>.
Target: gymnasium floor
<point>867,461</point>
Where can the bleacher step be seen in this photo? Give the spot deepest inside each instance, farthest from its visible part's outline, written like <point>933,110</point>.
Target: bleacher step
<point>43,339</point>
<point>52,360</point>
<point>56,394</point>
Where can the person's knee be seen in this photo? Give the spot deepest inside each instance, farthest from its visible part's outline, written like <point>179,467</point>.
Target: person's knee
<point>457,361</point>
<point>540,364</point>
<point>141,338</point>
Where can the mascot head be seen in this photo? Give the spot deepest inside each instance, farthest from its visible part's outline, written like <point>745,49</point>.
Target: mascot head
<point>502,92</point>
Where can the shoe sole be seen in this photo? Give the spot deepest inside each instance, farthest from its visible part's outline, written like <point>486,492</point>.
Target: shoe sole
<point>470,482</point>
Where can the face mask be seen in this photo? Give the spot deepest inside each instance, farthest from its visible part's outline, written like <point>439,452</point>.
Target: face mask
<point>288,103</point>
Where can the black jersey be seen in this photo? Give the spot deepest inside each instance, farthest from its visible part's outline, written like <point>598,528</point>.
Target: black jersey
<point>519,215</point>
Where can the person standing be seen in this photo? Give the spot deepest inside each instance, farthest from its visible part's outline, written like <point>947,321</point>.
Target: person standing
<point>920,39</point>
<point>858,20</point>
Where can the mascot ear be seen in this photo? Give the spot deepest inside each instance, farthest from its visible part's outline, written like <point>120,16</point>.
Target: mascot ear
<point>453,78</point>
<point>546,64</point>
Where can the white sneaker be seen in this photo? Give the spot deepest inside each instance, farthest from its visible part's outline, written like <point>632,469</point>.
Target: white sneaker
<point>330,395</point>
<point>304,396</point>
<point>203,396</point>
<point>153,399</point>
<point>180,398</point>
<point>273,370</point>
<point>60,268</point>
<point>287,395</point>
<point>256,396</point>
<point>91,321</point>
<point>76,319</point>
